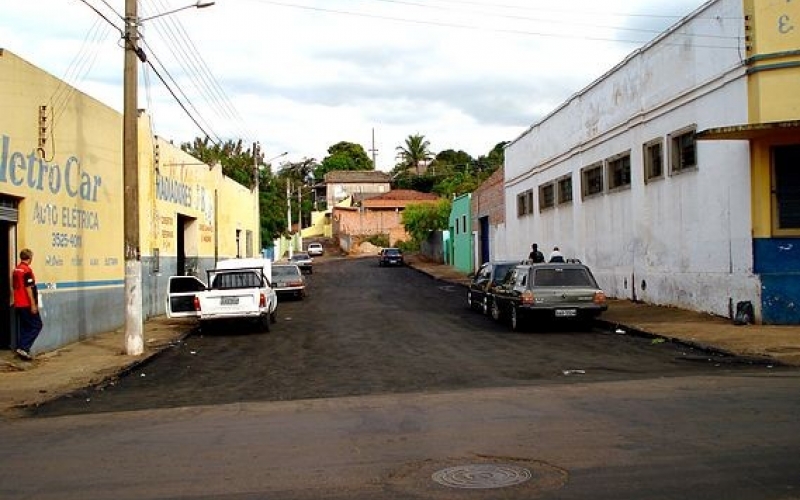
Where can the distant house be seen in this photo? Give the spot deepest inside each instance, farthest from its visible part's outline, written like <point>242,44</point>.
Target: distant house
<point>380,214</point>
<point>488,215</point>
<point>341,184</point>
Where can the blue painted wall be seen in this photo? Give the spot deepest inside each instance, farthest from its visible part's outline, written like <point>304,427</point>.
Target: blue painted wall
<point>777,261</point>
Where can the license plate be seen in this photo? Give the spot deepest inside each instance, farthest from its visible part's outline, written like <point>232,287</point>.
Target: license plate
<point>566,313</point>
<point>229,301</point>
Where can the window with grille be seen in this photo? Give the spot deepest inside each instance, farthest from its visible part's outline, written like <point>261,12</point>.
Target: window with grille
<point>592,180</point>
<point>683,151</point>
<point>525,203</point>
<point>619,171</point>
<point>653,153</point>
<point>565,189</point>
<point>547,196</point>
<point>786,188</point>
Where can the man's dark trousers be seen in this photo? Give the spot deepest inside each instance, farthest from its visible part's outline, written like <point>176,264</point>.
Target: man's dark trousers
<point>29,327</point>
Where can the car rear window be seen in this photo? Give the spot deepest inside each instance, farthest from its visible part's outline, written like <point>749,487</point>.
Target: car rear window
<point>285,271</point>
<point>227,281</point>
<point>391,251</point>
<point>562,277</point>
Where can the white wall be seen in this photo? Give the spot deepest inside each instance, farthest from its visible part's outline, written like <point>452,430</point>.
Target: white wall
<point>686,235</point>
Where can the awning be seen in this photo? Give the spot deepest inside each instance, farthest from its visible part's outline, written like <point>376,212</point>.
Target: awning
<point>749,131</point>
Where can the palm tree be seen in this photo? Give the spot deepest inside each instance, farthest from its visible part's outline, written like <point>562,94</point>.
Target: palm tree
<point>415,151</point>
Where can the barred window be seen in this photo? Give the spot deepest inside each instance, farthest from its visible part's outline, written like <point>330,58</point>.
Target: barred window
<point>565,189</point>
<point>547,196</point>
<point>683,147</point>
<point>525,203</point>
<point>592,180</point>
<point>619,171</point>
<point>653,153</point>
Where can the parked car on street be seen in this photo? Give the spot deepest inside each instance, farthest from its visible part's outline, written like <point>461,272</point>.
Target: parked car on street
<point>287,279</point>
<point>315,249</point>
<point>303,261</point>
<point>548,291</point>
<point>480,294</point>
<point>390,257</point>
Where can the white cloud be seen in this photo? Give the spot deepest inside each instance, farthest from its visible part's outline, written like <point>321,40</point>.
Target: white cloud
<point>467,75</point>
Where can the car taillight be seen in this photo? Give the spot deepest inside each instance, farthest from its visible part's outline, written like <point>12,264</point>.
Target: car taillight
<point>295,283</point>
<point>527,297</point>
<point>262,301</point>
<point>196,303</point>
<point>599,297</point>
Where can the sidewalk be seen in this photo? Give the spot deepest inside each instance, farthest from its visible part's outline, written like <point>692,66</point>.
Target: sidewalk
<point>779,344</point>
<point>102,357</point>
<point>81,364</point>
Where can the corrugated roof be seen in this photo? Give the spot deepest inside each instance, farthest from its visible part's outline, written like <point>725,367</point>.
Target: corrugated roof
<point>399,198</point>
<point>357,176</point>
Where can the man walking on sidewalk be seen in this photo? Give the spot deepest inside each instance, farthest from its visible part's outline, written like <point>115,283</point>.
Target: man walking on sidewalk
<point>26,303</point>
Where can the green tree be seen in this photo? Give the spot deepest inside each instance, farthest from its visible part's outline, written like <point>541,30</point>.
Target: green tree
<point>420,219</point>
<point>237,162</point>
<point>344,156</point>
<point>415,152</point>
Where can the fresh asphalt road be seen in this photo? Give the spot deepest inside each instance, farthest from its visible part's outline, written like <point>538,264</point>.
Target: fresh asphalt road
<point>388,381</point>
<point>365,330</point>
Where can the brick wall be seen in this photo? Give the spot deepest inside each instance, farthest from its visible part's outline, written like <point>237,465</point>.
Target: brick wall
<point>355,222</point>
<point>489,200</point>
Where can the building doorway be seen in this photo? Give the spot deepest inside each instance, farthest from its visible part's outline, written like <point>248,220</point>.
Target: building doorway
<point>8,250</point>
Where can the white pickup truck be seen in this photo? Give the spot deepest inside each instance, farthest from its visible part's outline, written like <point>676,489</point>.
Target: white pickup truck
<point>237,289</point>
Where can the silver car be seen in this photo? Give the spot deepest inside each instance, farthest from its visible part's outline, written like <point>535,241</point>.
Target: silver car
<point>288,280</point>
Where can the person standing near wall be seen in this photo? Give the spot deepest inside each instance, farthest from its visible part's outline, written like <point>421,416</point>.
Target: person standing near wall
<point>556,256</point>
<point>26,304</point>
<point>536,256</point>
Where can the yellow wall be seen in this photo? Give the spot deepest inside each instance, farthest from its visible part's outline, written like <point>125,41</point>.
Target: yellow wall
<point>70,191</point>
<point>774,73</point>
<point>174,183</point>
<point>774,60</point>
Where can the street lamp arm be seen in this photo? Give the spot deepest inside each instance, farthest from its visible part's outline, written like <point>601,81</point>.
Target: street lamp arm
<point>198,5</point>
<point>276,157</point>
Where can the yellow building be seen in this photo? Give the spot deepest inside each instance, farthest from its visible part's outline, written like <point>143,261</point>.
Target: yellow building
<point>61,195</point>
<point>773,132</point>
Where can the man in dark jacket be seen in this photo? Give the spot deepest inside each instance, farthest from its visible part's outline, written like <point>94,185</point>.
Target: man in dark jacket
<point>535,256</point>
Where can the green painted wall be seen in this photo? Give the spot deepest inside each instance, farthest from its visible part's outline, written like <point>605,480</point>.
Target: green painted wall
<point>461,234</point>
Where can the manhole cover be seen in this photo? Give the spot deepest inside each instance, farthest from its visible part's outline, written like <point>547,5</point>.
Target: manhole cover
<point>481,476</point>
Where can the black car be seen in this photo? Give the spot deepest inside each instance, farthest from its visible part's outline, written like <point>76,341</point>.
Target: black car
<point>480,294</point>
<point>390,257</point>
<point>560,291</point>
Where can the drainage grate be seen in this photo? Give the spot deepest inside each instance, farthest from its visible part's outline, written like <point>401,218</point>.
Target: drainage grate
<point>481,476</point>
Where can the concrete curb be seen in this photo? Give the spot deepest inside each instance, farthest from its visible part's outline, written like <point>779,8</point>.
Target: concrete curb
<point>629,330</point>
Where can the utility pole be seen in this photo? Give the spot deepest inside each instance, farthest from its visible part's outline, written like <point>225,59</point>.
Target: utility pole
<point>134,327</point>
<point>257,175</point>
<point>300,207</point>
<point>374,151</point>
<point>289,214</point>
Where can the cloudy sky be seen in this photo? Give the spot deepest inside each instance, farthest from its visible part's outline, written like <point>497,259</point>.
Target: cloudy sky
<point>301,75</point>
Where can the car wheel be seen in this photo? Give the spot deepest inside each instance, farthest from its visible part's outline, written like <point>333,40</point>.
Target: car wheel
<point>496,314</point>
<point>469,301</point>
<point>273,316</point>
<point>485,306</point>
<point>264,322</point>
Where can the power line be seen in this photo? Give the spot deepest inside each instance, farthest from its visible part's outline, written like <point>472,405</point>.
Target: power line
<point>474,27</point>
<point>517,17</point>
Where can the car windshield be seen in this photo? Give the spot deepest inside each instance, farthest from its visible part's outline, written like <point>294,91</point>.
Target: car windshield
<point>285,271</point>
<point>500,271</point>
<point>300,256</point>
<point>391,251</point>
<point>563,277</point>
